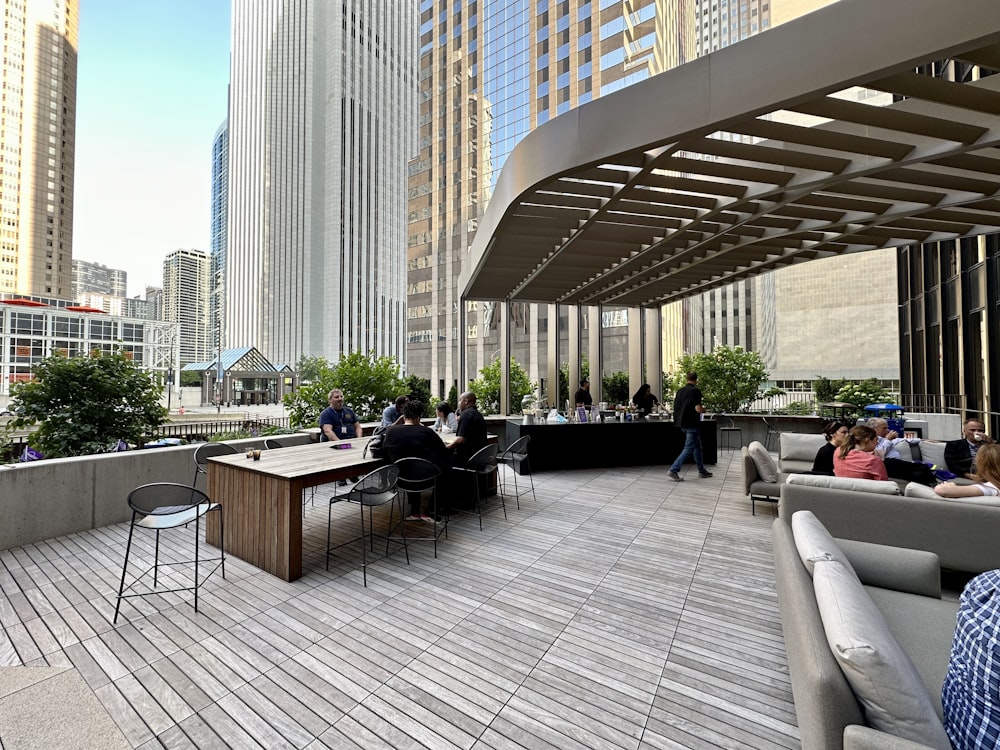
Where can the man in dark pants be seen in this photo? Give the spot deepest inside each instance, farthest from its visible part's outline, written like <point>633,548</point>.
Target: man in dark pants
<point>687,415</point>
<point>411,439</point>
<point>471,432</point>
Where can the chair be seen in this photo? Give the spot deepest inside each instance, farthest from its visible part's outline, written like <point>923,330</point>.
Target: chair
<point>515,458</point>
<point>754,486</point>
<point>166,505</point>
<point>372,490</point>
<point>204,452</point>
<point>773,433</point>
<point>482,467</point>
<point>417,475</point>
<point>727,431</point>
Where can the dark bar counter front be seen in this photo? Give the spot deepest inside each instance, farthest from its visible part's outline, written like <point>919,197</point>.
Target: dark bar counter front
<point>607,444</point>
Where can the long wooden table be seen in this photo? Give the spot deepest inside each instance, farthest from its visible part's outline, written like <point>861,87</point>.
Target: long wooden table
<point>262,500</point>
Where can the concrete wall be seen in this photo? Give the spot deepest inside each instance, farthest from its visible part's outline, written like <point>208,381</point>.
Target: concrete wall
<point>44,499</point>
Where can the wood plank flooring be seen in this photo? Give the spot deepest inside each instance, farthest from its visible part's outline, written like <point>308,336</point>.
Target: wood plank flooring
<point>619,610</point>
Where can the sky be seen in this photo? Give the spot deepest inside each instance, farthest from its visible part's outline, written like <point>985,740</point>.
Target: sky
<point>151,93</point>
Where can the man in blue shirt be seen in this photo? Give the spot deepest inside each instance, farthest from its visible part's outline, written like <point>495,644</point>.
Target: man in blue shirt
<point>338,422</point>
<point>393,413</point>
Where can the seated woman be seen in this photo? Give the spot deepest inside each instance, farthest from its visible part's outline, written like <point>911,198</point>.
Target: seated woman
<point>644,400</point>
<point>835,433</point>
<point>446,420</point>
<point>856,457</point>
<point>987,471</point>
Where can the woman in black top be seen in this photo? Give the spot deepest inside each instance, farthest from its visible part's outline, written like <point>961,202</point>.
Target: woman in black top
<point>835,433</point>
<point>644,400</point>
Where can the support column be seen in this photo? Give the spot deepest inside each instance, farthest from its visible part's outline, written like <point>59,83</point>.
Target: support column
<point>463,354</point>
<point>552,344</point>
<point>595,344</point>
<point>654,350</point>
<point>573,351</point>
<point>635,339</point>
<point>504,339</point>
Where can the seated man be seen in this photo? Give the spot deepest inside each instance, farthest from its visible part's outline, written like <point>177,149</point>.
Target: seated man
<point>471,432</point>
<point>411,439</point>
<point>899,465</point>
<point>960,455</point>
<point>393,414</point>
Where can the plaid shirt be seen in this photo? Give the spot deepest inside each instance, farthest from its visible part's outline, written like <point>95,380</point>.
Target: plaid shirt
<point>971,692</point>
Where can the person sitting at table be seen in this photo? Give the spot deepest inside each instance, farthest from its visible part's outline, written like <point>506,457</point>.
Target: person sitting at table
<point>644,400</point>
<point>583,397</point>
<point>471,430</point>
<point>960,455</point>
<point>835,432</point>
<point>338,422</point>
<point>393,413</point>
<point>856,457</point>
<point>987,474</point>
<point>899,465</point>
<point>411,439</point>
<point>446,420</point>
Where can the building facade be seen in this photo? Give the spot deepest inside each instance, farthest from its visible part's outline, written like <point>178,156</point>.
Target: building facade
<point>37,144</point>
<point>490,72</point>
<point>184,301</point>
<point>217,239</point>
<point>322,122</point>
<point>97,278</point>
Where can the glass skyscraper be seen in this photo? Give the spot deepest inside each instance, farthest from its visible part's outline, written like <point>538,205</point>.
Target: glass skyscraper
<point>217,238</point>
<point>490,72</point>
<point>321,126</point>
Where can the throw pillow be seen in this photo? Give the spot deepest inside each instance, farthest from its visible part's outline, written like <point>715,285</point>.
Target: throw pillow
<point>971,693</point>
<point>915,489</point>
<point>766,467</point>
<point>813,542</point>
<point>881,674</point>
<point>845,483</point>
<point>932,453</point>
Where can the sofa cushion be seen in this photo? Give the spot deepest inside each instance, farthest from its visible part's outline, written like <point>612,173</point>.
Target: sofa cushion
<point>977,500</point>
<point>766,468</point>
<point>845,483</point>
<point>915,489</point>
<point>884,679</point>
<point>800,446</point>
<point>933,453</point>
<point>813,542</point>
<point>971,692</point>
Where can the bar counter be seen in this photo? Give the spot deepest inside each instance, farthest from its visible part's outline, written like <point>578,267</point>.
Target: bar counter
<point>607,444</point>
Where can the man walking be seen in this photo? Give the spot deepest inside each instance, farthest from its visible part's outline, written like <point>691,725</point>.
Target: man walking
<point>687,416</point>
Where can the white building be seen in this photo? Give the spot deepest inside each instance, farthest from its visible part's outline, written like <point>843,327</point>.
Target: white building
<point>185,301</point>
<point>322,121</point>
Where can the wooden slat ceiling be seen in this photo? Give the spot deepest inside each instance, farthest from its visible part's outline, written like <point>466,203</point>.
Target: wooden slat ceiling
<point>916,158</point>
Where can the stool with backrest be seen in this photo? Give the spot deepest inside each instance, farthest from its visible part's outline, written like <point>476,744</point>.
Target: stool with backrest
<point>727,431</point>
<point>515,458</point>
<point>418,475</point>
<point>481,468</point>
<point>165,505</point>
<point>203,453</point>
<point>372,490</point>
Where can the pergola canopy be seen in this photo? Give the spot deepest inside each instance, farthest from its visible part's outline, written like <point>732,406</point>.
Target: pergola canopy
<point>755,157</point>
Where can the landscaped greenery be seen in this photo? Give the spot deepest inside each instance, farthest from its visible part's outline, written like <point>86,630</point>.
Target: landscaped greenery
<point>729,377</point>
<point>487,388</point>
<point>86,404</point>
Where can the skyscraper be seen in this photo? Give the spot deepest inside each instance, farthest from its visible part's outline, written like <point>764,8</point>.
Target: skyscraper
<point>97,278</point>
<point>184,300</point>
<point>217,240</point>
<point>321,125</point>
<point>490,72</point>
<point>37,135</point>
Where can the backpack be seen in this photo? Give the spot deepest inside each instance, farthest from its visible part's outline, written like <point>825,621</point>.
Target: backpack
<point>376,444</point>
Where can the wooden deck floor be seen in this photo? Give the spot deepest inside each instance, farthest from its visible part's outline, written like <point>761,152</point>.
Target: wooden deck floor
<point>620,610</point>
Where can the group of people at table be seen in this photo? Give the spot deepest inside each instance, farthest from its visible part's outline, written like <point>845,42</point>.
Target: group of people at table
<point>872,451</point>
<point>407,437</point>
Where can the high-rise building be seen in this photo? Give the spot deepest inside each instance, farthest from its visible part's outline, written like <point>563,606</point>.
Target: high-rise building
<point>217,241</point>
<point>322,122</point>
<point>490,72</point>
<point>185,301</point>
<point>97,278</point>
<point>37,136</point>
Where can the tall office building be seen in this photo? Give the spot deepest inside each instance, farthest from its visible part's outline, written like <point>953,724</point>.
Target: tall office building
<point>37,136</point>
<point>184,300</point>
<point>97,278</point>
<point>490,72</point>
<point>217,240</point>
<point>322,122</point>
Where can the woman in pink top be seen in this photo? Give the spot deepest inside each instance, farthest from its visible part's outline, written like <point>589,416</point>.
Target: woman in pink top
<point>856,458</point>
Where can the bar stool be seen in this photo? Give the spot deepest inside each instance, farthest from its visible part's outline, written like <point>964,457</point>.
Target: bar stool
<point>727,431</point>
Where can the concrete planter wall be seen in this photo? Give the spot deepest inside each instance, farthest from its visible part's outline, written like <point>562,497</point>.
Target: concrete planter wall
<point>44,499</point>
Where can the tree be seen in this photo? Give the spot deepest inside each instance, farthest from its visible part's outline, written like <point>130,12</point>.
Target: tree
<point>487,387</point>
<point>861,394</point>
<point>190,379</point>
<point>564,391</point>
<point>826,389</point>
<point>729,377</point>
<point>86,404</point>
<point>615,389</point>
<point>311,369</point>
<point>419,389</point>
<point>369,382</point>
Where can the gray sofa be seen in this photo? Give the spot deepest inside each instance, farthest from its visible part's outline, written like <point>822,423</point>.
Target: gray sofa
<point>798,450</point>
<point>904,584</point>
<point>962,534</point>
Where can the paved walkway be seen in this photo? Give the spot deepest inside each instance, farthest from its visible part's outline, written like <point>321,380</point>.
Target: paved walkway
<point>619,610</point>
